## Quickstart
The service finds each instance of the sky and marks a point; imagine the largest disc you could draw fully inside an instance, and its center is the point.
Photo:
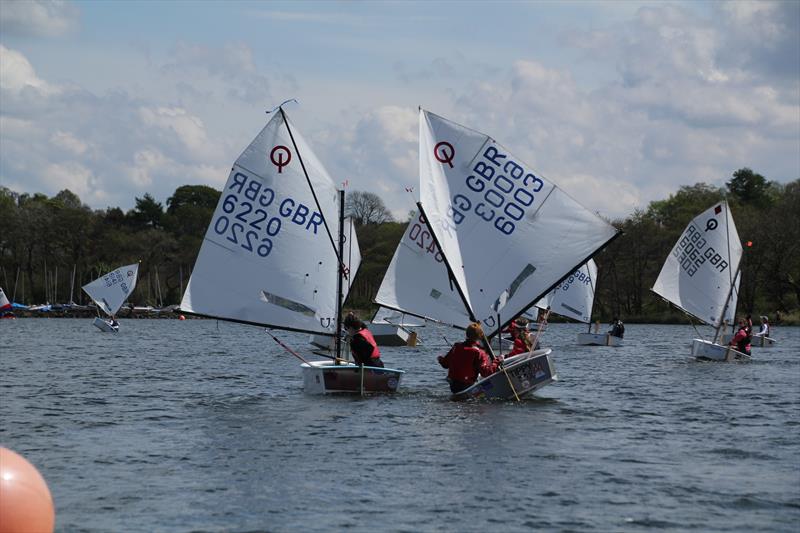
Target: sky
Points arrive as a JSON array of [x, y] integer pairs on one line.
[[619, 103]]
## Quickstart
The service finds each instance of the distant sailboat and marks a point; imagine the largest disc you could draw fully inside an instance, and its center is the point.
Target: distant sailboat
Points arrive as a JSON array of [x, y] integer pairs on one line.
[[491, 238], [271, 255], [6, 310], [701, 277], [110, 291]]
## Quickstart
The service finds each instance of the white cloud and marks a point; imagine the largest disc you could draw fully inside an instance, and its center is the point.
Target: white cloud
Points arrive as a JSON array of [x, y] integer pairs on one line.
[[41, 18], [68, 175], [68, 142], [17, 73], [105, 148]]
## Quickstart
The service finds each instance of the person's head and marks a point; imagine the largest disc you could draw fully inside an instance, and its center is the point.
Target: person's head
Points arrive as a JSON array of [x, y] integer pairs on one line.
[[742, 321], [764, 319], [615, 320], [352, 322], [474, 332]]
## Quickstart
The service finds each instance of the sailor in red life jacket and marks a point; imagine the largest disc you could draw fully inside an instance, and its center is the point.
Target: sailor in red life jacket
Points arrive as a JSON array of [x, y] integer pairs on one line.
[[466, 360], [521, 340], [741, 341], [362, 344]]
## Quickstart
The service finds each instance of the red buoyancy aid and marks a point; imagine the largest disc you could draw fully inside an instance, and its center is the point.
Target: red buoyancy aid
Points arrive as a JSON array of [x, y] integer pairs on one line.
[[742, 341], [519, 347], [465, 361], [367, 334]]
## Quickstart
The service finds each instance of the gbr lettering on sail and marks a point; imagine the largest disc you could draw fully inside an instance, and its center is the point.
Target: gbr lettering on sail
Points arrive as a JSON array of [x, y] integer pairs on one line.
[[500, 190]]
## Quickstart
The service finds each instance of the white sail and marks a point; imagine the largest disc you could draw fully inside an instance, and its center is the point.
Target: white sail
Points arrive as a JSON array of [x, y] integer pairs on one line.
[[416, 281], [574, 297], [110, 291], [509, 234], [267, 257], [698, 273], [5, 305]]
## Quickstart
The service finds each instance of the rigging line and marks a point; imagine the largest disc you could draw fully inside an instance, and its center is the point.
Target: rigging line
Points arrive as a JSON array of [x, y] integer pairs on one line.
[[282, 345], [313, 192]]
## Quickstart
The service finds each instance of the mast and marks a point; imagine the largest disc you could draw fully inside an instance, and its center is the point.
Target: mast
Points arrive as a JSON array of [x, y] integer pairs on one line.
[[727, 302], [339, 280], [733, 280], [591, 309], [339, 256], [72, 283], [453, 279]]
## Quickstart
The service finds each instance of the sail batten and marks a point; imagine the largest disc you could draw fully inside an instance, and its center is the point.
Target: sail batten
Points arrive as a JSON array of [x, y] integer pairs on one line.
[[698, 274]]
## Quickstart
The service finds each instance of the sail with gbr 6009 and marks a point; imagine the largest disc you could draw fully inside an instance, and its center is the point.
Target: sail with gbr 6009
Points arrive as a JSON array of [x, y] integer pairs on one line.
[[701, 277]]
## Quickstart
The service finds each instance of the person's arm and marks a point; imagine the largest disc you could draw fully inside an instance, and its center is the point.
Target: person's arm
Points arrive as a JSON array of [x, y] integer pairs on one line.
[[487, 367], [445, 361]]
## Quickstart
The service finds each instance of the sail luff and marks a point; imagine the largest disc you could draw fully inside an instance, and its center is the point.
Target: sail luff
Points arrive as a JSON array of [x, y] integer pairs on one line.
[[310, 186], [340, 273]]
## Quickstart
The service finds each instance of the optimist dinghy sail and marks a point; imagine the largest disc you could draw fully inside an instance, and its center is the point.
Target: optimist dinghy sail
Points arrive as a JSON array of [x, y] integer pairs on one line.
[[701, 276], [492, 237], [508, 235], [270, 256], [574, 297], [110, 291]]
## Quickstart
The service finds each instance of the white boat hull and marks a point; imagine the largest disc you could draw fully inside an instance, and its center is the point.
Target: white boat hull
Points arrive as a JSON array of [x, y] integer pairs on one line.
[[326, 377], [102, 325], [386, 334], [757, 341], [598, 339], [520, 375], [707, 350]]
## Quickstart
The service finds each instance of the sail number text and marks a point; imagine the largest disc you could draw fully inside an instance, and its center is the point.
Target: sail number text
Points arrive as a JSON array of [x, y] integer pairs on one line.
[[419, 235], [691, 252], [115, 278], [500, 191], [245, 221]]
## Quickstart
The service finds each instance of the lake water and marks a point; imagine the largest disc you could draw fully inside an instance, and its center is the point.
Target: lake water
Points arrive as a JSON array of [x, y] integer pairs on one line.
[[203, 426]]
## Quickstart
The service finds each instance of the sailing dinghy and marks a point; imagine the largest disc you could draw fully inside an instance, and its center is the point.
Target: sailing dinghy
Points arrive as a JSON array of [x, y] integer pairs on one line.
[[109, 292], [701, 277], [6, 309], [490, 239], [271, 255]]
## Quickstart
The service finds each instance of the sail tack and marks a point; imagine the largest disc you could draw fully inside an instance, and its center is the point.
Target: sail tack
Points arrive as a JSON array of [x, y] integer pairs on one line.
[[268, 257], [509, 234], [110, 291], [699, 271]]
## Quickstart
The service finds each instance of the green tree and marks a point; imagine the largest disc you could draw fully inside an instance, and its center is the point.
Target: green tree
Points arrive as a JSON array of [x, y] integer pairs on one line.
[[748, 187]]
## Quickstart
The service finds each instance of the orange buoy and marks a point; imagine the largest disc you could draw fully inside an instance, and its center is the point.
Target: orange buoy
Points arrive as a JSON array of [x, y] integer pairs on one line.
[[181, 317], [25, 501]]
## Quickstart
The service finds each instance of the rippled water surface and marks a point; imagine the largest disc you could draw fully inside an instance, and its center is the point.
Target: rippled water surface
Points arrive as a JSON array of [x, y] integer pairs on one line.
[[203, 426]]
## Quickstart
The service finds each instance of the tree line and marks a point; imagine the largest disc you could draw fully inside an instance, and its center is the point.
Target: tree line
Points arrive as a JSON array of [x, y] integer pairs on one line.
[[50, 246]]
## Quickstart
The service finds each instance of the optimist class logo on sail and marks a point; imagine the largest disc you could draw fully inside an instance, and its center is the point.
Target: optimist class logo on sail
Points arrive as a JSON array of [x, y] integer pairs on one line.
[[499, 190]]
